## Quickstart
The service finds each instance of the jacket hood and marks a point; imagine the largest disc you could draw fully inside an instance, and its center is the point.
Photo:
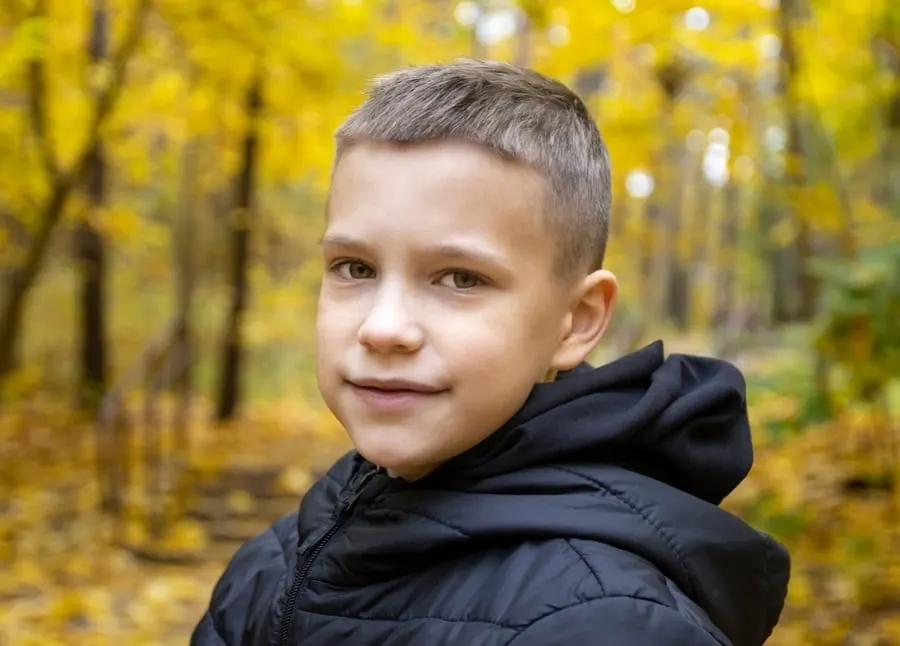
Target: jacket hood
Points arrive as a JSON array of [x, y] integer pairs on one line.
[[683, 418], [636, 454]]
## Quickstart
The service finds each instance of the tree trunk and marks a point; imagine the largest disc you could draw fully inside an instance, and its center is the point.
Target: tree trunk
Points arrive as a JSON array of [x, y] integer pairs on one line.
[[670, 274], [183, 243], [725, 298], [702, 220], [232, 347], [887, 190], [789, 265], [16, 241], [677, 294], [892, 152], [91, 249], [22, 280]]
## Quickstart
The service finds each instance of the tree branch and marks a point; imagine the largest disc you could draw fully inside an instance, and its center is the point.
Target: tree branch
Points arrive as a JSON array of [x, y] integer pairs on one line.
[[37, 99], [107, 97]]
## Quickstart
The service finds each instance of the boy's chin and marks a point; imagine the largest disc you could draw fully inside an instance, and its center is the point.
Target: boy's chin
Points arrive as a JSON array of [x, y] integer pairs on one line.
[[398, 464]]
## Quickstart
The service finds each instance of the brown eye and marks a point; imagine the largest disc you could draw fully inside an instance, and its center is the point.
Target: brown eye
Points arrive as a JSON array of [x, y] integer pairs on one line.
[[354, 270], [461, 280]]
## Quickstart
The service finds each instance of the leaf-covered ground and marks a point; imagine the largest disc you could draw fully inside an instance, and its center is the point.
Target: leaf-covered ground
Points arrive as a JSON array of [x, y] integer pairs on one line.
[[62, 578], [825, 492]]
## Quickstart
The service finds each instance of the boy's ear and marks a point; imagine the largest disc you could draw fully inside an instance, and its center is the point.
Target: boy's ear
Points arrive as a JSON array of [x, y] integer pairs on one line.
[[593, 302]]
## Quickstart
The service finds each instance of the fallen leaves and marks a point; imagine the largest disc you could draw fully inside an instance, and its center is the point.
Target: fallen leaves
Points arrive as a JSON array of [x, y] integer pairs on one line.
[[64, 578], [829, 492]]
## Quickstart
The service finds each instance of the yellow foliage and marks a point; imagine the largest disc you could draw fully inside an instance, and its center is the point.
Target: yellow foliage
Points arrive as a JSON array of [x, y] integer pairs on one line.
[[240, 501], [187, 84], [121, 224], [188, 536], [818, 205], [295, 479]]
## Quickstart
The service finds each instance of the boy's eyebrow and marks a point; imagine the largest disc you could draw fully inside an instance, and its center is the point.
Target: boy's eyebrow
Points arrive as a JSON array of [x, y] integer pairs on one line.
[[465, 252], [445, 249], [331, 240]]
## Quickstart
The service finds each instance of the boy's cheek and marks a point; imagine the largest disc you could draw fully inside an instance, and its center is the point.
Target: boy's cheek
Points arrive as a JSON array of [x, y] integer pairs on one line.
[[335, 316]]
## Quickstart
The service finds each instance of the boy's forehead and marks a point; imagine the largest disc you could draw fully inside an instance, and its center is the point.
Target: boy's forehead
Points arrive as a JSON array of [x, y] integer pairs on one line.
[[451, 201], [413, 180]]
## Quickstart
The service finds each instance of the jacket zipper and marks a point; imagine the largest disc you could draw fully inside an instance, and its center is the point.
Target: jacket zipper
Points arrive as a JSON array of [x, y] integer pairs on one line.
[[302, 570]]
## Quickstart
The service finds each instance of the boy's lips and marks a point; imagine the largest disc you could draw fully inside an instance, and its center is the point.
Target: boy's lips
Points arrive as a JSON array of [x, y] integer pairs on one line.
[[392, 394], [396, 385]]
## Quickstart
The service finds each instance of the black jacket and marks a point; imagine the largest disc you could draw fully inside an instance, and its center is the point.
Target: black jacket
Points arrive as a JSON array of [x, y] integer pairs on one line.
[[590, 519]]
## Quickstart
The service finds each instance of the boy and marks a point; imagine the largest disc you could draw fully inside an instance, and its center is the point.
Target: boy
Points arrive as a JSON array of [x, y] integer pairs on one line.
[[502, 491]]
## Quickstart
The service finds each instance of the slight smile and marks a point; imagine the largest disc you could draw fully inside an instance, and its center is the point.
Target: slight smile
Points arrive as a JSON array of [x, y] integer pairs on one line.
[[386, 395]]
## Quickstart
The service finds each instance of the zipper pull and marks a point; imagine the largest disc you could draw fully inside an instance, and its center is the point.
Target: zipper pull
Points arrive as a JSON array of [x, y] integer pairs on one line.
[[356, 488], [351, 494]]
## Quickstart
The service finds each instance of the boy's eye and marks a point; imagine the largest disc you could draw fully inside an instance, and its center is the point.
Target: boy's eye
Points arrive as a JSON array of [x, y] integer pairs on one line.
[[353, 270], [461, 280]]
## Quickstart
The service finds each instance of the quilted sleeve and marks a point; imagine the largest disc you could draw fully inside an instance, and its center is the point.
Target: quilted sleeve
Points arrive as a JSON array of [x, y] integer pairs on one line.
[[240, 609]]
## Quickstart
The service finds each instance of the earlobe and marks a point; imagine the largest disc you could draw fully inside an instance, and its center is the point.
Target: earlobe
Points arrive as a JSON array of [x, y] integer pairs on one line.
[[593, 303]]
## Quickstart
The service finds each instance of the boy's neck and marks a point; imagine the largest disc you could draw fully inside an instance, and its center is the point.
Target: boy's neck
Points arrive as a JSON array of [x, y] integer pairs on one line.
[[396, 476]]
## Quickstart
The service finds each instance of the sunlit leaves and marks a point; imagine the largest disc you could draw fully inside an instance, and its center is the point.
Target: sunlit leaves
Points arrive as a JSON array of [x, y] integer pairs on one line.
[[186, 88], [64, 582]]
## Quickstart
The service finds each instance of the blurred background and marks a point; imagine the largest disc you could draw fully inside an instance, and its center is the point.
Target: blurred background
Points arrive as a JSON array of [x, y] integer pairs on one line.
[[163, 165]]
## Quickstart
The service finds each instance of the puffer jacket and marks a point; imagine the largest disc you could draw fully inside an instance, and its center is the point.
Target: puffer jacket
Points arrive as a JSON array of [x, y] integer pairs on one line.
[[590, 518]]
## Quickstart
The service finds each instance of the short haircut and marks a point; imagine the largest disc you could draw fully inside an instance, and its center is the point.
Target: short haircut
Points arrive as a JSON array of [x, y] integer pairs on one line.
[[517, 113]]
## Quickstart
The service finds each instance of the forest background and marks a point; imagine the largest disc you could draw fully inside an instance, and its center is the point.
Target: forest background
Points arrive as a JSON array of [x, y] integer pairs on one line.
[[162, 171]]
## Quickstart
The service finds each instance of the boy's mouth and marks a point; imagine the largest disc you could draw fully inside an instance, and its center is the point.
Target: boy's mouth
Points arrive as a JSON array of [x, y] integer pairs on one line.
[[396, 385], [392, 394]]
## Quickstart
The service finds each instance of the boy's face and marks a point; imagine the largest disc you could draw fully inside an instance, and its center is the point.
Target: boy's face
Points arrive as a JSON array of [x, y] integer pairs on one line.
[[439, 307]]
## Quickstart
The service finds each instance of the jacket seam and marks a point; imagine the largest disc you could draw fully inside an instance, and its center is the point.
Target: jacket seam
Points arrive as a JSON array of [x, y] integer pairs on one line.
[[653, 525], [282, 544], [411, 618], [426, 516], [587, 565], [632, 597]]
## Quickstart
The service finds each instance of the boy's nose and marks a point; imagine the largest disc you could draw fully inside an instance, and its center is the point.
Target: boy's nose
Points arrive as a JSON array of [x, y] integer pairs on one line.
[[390, 326]]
